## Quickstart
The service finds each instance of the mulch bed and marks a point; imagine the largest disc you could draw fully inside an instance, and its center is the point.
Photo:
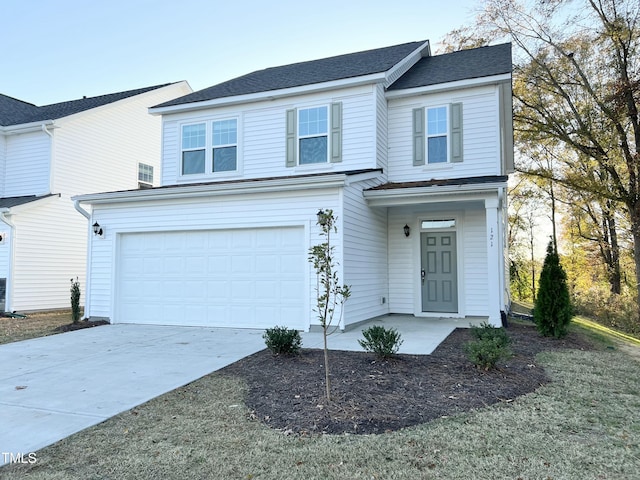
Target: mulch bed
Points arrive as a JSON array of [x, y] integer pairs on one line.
[[70, 327], [370, 395]]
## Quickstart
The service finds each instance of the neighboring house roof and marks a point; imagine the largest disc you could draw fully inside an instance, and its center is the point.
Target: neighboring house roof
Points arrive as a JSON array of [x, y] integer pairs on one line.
[[304, 73], [8, 202], [462, 65], [442, 182], [16, 112]]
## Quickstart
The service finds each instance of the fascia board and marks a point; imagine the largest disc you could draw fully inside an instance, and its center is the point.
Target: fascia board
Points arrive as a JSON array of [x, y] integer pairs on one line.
[[212, 190], [442, 87], [271, 94], [434, 194], [406, 63]]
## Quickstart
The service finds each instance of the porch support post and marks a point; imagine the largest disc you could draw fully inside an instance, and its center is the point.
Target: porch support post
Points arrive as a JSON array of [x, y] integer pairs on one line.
[[494, 246]]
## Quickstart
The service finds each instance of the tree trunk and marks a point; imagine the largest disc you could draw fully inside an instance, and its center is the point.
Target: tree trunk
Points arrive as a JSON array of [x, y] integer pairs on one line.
[[327, 379], [634, 214], [615, 276]]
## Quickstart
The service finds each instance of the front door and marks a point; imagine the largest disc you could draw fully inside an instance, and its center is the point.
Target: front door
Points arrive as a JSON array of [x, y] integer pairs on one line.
[[439, 277]]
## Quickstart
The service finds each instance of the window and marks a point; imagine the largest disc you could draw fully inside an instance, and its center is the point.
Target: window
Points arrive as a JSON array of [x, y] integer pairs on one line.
[[225, 140], [145, 175], [433, 224], [193, 148], [312, 135], [210, 147], [437, 134]]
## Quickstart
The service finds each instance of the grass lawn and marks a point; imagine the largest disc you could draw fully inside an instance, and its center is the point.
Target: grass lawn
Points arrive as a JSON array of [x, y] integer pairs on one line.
[[35, 325], [585, 424]]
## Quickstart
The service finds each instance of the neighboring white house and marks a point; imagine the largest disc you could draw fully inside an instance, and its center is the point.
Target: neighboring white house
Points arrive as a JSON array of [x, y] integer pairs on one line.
[[411, 152], [48, 154]]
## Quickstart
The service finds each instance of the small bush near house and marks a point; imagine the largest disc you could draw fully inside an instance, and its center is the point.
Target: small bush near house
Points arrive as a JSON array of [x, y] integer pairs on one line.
[[490, 345], [75, 300], [282, 340], [381, 341]]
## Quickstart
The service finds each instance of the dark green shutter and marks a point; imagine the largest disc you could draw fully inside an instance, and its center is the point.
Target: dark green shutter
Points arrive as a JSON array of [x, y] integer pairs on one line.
[[456, 132], [336, 132], [418, 136], [292, 150]]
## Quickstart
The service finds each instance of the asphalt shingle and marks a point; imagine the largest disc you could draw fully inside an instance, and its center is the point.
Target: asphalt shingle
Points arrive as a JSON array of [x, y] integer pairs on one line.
[[462, 65], [304, 73], [16, 112]]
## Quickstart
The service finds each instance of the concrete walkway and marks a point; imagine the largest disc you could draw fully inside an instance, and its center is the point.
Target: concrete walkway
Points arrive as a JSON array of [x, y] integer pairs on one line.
[[52, 387]]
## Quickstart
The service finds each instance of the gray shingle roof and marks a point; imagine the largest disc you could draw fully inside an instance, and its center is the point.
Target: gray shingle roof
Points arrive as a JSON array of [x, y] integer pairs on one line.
[[304, 73], [8, 202], [462, 65], [16, 112]]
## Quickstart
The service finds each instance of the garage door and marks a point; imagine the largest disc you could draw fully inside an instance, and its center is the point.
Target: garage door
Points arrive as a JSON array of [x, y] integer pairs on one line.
[[253, 278]]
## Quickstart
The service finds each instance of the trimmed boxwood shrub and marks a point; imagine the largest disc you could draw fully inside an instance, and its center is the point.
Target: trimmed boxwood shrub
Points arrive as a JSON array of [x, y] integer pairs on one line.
[[282, 340], [381, 341], [489, 346]]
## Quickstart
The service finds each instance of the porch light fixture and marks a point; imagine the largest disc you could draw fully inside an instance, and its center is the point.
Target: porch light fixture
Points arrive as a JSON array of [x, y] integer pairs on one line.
[[407, 230], [97, 229]]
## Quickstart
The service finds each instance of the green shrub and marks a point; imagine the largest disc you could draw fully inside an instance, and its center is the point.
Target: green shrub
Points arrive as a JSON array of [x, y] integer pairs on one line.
[[553, 310], [381, 341], [75, 300], [282, 340], [490, 345]]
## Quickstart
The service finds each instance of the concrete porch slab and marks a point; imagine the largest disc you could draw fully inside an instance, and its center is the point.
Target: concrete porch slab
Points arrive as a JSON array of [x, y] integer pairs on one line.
[[420, 336]]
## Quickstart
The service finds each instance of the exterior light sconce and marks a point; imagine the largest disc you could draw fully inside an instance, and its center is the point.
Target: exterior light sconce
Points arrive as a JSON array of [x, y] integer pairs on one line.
[[97, 230], [407, 230]]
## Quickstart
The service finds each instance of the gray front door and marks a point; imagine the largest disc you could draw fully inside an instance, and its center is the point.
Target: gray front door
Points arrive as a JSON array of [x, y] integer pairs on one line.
[[439, 272]]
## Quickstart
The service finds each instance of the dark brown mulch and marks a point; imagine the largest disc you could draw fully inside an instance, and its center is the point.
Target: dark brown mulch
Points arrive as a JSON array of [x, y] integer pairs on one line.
[[70, 327], [374, 396]]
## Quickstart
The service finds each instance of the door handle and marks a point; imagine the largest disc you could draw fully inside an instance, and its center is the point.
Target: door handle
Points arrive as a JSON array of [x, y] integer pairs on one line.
[[422, 275]]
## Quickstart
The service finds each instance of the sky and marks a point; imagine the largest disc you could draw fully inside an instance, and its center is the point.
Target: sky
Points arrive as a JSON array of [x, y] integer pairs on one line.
[[62, 50]]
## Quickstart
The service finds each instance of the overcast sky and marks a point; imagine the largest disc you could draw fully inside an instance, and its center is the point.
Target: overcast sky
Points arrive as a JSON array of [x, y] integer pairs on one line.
[[57, 50]]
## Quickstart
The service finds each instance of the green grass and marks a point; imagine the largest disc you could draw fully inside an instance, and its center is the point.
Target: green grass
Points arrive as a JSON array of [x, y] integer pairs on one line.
[[583, 425]]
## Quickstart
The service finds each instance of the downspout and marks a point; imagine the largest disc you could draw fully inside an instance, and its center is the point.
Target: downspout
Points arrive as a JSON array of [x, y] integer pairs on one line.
[[87, 289], [505, 302], [9, 285]]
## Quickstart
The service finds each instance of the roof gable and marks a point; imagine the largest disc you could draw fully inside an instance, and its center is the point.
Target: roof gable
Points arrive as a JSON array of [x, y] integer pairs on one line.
[[461, 65], [16, 112], [305, 73]]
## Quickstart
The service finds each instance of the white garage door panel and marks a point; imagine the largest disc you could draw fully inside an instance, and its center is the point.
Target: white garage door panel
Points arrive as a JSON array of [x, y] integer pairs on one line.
[[238, 278]]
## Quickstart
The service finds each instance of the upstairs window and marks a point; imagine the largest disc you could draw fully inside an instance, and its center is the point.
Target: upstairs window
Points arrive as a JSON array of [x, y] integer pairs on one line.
[[312, 135], [145, 175], [437, 134], [225, 145], [210, 147], [193, 148]]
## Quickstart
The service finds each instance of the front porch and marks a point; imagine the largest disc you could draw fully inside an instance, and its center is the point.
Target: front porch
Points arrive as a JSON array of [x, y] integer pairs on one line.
[[420, 336]]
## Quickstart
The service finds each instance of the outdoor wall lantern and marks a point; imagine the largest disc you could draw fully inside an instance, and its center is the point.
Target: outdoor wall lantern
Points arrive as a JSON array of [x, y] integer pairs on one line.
[[407, 230], [97, 229]]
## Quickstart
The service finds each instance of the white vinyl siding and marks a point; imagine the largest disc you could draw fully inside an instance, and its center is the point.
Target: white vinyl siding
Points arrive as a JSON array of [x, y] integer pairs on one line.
[[27, 165], [365, 255], [3, 159], [228, 212], [43, 269], [481, 136], [262, 135]]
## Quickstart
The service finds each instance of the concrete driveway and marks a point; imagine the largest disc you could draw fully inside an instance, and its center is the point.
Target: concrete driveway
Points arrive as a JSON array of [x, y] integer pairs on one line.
[[52, 387]]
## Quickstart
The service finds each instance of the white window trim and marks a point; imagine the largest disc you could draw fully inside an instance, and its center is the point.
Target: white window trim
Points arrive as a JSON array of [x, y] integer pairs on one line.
[[208, 149], [427, 136], [326, 135]]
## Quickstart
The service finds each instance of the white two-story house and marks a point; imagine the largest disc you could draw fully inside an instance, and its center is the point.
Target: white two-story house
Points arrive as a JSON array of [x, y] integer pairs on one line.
[[410, 151], [49, 153]]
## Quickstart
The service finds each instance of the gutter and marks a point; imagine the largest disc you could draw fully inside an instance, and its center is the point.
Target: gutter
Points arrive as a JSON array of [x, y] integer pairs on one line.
[[411, 195], [28, 127], [82, 211], [213, 190], [441, 87]]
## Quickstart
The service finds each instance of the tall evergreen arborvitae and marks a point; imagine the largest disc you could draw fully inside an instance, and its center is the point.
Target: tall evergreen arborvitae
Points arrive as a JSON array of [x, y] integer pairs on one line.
[[553, 310]]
